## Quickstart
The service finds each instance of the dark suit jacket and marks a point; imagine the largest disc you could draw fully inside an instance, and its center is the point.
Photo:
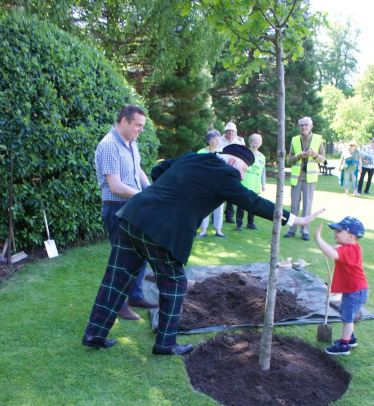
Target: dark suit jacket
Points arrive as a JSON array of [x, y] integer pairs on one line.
[[184, 192]]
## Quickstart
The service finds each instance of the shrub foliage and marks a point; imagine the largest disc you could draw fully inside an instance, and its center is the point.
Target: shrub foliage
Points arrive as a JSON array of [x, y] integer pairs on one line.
[[58, 98]]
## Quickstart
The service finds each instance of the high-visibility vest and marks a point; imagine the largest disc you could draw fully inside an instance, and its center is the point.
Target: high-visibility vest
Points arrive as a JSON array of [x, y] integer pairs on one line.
[[312, 166]]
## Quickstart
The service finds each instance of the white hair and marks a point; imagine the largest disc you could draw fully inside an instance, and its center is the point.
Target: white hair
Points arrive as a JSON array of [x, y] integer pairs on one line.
[[310, 121]]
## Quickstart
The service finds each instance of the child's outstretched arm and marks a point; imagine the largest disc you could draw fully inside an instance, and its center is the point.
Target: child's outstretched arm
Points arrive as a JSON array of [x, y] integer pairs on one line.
[[326, 248]]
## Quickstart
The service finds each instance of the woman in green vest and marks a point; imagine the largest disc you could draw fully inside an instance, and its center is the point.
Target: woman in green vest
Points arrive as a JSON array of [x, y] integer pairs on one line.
[[255, 179]]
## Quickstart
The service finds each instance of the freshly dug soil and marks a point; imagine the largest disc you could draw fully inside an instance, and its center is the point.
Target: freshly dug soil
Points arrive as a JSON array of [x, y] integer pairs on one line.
[[232, 299], [226, 369]]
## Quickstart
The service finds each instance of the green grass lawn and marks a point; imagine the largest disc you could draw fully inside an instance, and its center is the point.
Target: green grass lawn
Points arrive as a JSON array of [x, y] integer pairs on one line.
[[44, 309]]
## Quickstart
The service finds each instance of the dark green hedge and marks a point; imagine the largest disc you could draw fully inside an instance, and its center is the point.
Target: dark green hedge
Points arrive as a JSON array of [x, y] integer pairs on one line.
[[58, 98]]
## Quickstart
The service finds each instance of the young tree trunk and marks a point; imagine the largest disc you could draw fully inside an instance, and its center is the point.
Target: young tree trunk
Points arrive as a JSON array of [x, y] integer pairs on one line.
[[267, 334]]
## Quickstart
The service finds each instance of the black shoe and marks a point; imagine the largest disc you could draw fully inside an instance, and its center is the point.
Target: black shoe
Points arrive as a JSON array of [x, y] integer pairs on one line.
[[252, 226], [142, 304], [175, 350], [289, 235], [230, 220], [239, 228], [305, 237], [97, 342], [367, 193]]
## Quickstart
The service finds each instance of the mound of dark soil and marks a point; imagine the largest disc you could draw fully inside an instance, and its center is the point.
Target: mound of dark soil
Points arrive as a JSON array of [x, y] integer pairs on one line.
[[234, 298], [226, 369]]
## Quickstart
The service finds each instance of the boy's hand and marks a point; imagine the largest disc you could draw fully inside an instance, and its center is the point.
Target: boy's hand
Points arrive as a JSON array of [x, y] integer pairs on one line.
[[318, 231]]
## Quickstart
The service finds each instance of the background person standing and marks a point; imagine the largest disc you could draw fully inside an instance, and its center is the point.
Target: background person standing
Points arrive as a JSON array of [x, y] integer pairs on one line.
[[212, 139], [230, 138], [120, 177], [305, 153], [367, 156], [350, 165], [254, 180]]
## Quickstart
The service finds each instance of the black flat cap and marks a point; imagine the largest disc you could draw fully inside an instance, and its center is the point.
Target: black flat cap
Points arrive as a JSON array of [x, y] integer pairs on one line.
[[240, 151]]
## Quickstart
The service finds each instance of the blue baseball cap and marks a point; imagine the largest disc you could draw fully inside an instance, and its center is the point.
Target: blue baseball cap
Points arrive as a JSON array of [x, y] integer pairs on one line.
[[350, 224]]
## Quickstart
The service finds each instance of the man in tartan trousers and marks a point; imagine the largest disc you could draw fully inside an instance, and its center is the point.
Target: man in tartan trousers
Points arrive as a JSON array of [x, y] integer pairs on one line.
[[159, 225]]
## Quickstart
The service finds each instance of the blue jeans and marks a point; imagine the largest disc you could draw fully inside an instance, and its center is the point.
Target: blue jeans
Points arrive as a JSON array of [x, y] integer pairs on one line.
[[352, 303], [111, 223]]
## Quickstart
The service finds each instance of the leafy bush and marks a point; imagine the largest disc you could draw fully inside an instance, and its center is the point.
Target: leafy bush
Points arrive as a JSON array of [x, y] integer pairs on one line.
[[58, 98]]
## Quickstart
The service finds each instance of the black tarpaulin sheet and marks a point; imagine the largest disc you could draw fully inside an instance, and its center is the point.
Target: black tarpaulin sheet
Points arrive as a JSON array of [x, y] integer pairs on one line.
[[309, 288]]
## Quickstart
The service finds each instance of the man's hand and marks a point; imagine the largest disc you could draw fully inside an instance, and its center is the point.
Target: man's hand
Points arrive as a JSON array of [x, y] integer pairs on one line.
[[301, 155], [312, 153], [304, 221]]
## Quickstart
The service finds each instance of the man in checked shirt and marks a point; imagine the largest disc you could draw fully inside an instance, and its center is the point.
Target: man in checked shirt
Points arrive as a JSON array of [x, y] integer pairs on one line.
[[120, 177]]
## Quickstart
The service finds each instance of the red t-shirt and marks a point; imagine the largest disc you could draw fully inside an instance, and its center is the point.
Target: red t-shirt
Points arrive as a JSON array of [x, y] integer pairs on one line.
[[349, 276]]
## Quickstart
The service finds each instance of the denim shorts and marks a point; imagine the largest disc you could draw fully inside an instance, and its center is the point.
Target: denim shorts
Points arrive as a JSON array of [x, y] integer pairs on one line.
[[352, 303]]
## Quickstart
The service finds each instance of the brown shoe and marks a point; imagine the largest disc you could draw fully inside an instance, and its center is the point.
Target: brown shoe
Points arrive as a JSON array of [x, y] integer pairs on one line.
[[142, 304], [127, 314]]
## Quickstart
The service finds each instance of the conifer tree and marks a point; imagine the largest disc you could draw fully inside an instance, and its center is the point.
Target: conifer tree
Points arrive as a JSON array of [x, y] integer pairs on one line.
[[180, 109]]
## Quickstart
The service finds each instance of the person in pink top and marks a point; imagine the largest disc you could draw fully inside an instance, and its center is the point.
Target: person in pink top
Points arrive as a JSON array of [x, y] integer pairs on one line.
[[349, 277]]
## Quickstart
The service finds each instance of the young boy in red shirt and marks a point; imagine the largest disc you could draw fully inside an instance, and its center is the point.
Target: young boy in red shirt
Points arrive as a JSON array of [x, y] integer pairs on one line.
[[349, 277]]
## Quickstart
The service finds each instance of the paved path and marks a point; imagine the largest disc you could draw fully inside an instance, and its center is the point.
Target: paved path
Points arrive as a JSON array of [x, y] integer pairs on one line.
[[337, 205]]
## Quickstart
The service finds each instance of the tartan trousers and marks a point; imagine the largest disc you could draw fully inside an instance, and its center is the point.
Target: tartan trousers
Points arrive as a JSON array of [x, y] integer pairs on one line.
[[131, 249]]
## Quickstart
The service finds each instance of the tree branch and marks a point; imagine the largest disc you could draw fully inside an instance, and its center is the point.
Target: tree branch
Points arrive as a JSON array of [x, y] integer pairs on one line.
[[265, 16], [289, 15], [251, 39], [274, 13]]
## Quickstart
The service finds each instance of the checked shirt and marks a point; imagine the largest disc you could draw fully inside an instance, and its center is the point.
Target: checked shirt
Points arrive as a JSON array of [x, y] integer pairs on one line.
[[114, 157]]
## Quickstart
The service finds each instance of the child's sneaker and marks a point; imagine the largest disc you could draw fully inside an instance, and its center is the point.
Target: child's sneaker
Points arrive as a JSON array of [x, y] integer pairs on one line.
[[338, 349], [352, 342]]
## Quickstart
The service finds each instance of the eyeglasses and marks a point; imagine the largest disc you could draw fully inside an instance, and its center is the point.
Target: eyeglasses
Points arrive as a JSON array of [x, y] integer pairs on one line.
[[304, 125]]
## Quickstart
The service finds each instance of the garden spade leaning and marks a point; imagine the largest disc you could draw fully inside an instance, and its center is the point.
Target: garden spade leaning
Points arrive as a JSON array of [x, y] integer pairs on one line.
[[324, 331], [50, 245]]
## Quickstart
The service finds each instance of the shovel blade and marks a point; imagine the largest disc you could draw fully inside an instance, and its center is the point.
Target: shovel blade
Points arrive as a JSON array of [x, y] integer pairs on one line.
[[18, 257], [51, 248], [324, 333]]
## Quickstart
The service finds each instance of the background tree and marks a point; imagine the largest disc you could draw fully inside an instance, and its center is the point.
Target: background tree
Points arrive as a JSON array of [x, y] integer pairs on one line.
[[180, 108], [149, 41], [337, 61], [353, 120], [365, 85], [352, 117], [332, 97]]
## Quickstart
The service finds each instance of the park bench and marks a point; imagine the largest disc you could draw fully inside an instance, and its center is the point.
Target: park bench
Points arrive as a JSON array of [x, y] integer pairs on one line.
[[325, 168]]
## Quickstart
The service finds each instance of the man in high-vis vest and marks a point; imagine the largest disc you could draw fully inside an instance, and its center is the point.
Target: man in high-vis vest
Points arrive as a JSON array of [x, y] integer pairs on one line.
[[305, 153]]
